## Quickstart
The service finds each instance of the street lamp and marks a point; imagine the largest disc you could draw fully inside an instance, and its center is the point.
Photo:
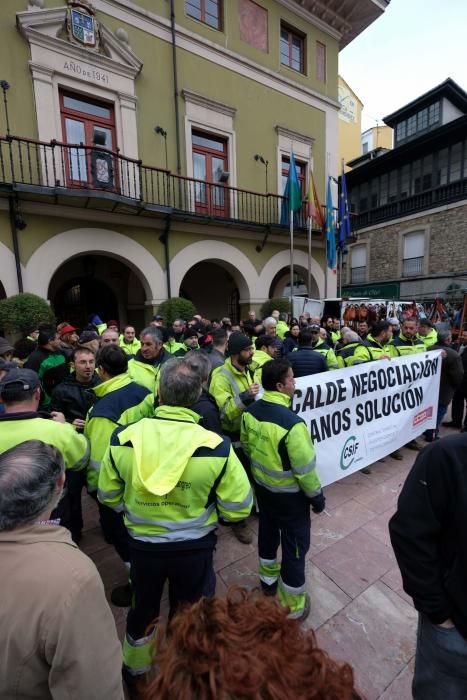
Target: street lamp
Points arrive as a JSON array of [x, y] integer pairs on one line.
[[265, 162], [163, 133], [6, 86]]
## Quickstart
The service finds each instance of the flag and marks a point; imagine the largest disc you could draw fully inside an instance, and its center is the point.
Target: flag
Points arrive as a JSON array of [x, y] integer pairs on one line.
[[344, 216], [330, 230], [315, 210], [292, 193]]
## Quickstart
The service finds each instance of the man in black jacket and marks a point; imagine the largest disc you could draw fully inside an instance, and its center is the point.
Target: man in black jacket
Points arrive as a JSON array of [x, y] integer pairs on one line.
[[206, 405], [305, 360], [72, 398], [429, 537]]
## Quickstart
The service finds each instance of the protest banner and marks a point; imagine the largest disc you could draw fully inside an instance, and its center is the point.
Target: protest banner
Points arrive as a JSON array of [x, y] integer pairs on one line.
[[360, 414]]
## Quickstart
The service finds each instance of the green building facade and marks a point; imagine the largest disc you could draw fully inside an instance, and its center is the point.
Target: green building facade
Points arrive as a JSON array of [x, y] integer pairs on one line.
[[147, 148]]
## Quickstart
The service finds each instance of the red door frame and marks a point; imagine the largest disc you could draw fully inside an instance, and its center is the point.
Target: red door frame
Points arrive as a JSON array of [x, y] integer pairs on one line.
[[210, 207], [89, 121]]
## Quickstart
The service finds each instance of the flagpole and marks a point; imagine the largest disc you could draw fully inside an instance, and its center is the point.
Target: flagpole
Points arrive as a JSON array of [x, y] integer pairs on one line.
[[291, 261], [340, 270], [310, 225]]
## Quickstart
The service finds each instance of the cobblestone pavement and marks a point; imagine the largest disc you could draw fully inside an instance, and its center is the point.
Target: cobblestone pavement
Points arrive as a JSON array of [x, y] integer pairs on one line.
[[358, 608]]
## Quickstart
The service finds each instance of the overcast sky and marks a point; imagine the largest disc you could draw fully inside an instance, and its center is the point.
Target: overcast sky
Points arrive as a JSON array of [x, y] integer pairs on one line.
[[413, 46]]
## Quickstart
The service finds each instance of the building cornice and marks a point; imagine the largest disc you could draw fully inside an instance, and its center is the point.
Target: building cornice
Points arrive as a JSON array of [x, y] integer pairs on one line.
[[313, 19], [155, 25], [294, 135], [208, 103]]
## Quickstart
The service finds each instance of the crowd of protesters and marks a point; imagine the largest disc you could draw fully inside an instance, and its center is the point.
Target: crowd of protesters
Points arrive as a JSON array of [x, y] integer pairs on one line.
[[77, 411]]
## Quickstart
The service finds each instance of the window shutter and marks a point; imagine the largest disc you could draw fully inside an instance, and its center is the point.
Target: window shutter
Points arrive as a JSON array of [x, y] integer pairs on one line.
[[414, 245], [359, 256]]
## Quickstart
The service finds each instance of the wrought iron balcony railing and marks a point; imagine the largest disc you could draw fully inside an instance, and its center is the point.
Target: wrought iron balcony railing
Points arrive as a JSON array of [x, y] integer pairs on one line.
[[74, 169]]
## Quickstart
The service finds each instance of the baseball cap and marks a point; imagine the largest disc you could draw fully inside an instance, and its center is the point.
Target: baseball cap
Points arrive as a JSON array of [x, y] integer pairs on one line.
[[20, 378], [315, 328], [87, 336], [112, 322], [157, 318], [394, 321], [67, 329]]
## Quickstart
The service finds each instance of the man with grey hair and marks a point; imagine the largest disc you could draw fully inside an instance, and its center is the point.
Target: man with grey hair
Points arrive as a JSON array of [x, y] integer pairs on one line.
[[270, 328], [171, 478], [59, 636], [145, 366], [353, 352]]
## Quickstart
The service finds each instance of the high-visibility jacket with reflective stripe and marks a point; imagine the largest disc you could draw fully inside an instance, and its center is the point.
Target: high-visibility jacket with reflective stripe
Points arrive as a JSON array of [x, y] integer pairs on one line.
[[327, 352], [227, 383], [430, 339], [172, 346], [335, 336], [130, 348], [19, 427], [120, 401], [171, 478], [353, 354], [402, 346], [145, 373], [375, 348], [260, 358], [281, 454]]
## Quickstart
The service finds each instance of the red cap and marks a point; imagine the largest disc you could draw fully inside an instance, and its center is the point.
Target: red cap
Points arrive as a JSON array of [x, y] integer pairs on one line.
[[66, 329], [112, 323]]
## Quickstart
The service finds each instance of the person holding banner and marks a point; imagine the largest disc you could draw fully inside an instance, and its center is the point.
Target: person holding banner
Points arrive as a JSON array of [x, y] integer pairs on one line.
[[283, 464], [354, 351]]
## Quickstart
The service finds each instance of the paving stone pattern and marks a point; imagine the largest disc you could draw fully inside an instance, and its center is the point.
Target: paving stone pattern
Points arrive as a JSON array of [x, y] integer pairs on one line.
[[358, 607]]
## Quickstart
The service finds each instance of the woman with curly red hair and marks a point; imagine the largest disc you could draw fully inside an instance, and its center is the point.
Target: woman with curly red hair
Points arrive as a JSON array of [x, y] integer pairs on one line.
[[243, 647]]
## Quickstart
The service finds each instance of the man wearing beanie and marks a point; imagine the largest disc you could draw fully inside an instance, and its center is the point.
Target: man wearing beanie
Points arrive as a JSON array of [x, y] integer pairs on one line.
[[48, 361], [190, 342], [234, 389]]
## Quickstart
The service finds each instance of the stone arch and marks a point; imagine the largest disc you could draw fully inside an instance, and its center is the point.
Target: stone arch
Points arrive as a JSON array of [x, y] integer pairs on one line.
[[223, 254], [281, 261], [8, 271], [57, 250]]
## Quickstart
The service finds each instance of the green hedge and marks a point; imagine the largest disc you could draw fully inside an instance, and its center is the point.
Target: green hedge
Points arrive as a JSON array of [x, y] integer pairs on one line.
[[22, 312], [176, 308], [282, 304]]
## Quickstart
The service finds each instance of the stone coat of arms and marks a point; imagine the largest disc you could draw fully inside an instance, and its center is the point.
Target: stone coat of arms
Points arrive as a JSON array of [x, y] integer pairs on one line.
[[82, 26]]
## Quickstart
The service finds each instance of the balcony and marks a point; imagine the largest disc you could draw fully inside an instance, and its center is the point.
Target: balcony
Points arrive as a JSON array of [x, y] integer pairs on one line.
[[412, 267], [91, 176], [435, 197]]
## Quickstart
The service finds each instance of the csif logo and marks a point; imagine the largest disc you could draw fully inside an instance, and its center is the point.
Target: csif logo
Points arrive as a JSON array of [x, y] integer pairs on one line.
[[349, 452]]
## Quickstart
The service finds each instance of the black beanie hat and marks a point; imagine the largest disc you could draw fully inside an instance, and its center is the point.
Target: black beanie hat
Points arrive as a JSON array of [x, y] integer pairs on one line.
[[238, 342]]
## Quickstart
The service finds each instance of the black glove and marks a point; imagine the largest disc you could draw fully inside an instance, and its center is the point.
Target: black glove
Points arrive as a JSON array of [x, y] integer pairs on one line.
[[246, 398], [318, 503]]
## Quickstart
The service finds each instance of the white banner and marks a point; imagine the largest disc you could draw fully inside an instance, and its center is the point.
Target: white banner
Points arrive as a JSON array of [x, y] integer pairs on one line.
[[360, 414]]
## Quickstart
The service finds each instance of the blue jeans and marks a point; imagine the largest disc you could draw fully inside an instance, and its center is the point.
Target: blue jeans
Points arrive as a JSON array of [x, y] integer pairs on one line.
[[440, 663]]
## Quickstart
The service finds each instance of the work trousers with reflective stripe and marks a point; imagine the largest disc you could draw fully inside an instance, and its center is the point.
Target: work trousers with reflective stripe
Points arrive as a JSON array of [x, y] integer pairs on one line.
[[114, 529], [289, 575], [190, 575]]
